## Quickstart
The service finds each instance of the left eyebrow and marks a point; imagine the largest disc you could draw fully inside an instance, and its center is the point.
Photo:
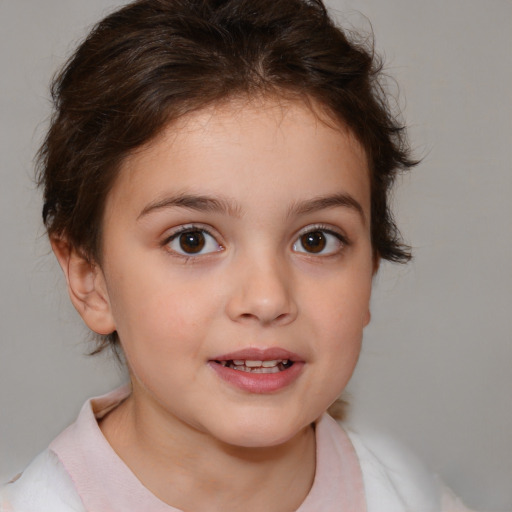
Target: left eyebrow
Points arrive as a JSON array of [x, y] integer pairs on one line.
[[325, 202], [192, 202]]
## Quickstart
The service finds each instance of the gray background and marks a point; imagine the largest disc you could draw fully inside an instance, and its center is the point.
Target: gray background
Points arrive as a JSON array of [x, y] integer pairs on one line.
[[436, 365]]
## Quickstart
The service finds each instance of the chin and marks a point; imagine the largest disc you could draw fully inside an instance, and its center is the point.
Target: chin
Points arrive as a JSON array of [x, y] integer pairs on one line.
[[259, 430]]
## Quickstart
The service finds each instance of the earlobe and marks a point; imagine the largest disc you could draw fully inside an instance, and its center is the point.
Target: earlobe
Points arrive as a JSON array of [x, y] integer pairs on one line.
[[86, 287], [376, 264]]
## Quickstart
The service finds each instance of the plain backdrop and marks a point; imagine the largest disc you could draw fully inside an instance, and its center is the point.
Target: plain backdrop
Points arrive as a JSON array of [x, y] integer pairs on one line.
[[436, 367]]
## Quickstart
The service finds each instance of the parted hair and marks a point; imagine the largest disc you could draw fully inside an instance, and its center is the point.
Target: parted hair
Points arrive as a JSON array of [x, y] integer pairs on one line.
[[153, 61]]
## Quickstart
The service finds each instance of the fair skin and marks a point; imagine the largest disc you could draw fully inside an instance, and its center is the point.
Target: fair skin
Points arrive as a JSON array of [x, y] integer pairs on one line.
[[276, 255]]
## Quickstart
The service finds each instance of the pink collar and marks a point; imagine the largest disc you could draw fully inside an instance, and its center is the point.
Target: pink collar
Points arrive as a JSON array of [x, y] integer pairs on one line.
[[106, 484]]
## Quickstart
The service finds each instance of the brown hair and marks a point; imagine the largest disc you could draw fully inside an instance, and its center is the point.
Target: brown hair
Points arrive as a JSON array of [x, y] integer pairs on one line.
[[153, 61]]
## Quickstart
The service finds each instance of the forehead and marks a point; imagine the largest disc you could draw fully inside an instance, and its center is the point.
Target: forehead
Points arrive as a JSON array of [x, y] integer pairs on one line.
[[230, 115], [239, 140]]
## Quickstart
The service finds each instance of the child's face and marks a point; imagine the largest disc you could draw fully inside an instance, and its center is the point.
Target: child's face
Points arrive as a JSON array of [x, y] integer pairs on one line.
[[242, 233]]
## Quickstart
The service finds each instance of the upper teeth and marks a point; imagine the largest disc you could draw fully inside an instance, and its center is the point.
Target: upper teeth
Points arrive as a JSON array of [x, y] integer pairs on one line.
[[254, 366], [258, 364]]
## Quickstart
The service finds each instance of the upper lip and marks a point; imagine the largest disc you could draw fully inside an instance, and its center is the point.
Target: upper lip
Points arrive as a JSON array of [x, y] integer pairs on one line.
[[259, 354]]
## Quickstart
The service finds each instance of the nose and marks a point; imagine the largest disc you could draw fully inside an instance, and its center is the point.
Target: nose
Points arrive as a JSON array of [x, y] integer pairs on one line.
[[262, 292]]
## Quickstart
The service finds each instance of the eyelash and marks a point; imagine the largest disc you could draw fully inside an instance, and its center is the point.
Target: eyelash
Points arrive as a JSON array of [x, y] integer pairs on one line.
[[318, 228], [326, 230], [190, 228]]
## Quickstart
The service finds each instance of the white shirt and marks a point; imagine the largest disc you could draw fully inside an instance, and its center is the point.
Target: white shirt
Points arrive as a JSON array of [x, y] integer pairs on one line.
[[80, 472]]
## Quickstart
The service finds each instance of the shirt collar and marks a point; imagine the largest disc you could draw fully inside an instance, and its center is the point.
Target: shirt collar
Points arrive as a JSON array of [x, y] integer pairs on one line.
[[105, 483]]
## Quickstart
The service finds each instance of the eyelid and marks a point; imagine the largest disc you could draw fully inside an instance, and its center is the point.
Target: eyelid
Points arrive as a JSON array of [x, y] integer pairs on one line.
[[327, 228], [187, 228], [324, 228], [184, 228]]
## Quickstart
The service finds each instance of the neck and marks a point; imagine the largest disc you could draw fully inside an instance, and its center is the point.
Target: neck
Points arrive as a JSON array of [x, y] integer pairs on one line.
[[207, 474]]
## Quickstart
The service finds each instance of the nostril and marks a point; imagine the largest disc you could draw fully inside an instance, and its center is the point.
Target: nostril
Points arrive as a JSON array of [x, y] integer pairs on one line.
[[265, 318], [259, 299]]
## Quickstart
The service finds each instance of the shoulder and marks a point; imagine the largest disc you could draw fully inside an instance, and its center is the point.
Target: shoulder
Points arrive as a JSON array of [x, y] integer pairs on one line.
[[395, 480], [43, 486], [47, 484]]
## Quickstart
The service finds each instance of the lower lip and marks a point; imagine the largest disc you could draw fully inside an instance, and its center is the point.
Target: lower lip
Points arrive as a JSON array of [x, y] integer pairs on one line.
[[258, 382]]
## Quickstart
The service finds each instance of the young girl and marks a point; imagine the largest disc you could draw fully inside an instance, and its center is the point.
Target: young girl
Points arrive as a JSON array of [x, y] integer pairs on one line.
[[216, 180]]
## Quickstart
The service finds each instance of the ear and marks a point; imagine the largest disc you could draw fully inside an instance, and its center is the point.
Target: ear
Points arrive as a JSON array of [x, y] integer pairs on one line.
[[376, 264], [367, 317], [86, 287], [375, 269]]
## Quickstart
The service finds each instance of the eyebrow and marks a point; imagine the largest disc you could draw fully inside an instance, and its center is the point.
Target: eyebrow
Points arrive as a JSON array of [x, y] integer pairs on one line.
[[325, 202], [221, 205], [193, 202]]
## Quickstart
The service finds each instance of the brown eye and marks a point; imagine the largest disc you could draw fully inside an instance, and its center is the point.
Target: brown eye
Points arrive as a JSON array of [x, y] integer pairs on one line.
[[314, 241], [321, 242], [192, 242]]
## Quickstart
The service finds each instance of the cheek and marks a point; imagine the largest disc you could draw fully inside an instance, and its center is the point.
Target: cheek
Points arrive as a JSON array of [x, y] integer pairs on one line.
[[158, 312], [340, 311], [162, 334], [341, 302], [340, 345]]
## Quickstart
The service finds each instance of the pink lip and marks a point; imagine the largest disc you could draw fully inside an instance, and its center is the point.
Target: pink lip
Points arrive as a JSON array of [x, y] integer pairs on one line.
[[258, 382], [259, 354]]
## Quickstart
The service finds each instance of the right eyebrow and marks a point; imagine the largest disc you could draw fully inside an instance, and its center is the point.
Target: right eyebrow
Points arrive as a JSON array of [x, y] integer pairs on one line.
[[332, 201], [199, 203]]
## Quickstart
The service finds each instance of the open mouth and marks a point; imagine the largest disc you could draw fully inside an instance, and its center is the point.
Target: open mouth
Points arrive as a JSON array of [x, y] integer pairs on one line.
[[260, 371], [249, 366]]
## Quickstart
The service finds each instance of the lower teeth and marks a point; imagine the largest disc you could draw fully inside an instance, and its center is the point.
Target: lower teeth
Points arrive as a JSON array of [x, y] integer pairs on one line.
[[259, 369], [272, 369]]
